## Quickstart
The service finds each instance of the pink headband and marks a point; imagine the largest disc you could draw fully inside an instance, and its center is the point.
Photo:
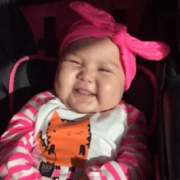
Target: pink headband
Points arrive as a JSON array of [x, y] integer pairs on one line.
[[99, 24]]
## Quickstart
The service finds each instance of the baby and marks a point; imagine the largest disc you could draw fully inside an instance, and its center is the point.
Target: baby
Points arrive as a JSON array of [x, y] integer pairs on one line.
[[82, 130]]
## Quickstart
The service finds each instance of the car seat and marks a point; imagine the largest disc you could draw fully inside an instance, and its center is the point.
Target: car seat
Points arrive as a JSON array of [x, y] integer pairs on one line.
[[160, 23], [32, 74]]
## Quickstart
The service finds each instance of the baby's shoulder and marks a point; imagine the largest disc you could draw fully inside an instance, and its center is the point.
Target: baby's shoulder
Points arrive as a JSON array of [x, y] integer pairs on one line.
[[127, 108], [43, 97]]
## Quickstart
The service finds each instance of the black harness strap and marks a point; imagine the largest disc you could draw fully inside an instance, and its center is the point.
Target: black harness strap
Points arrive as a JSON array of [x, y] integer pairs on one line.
[[49, 43]]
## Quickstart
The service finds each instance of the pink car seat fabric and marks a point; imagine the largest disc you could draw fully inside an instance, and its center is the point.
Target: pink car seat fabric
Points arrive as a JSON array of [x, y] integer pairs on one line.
[[52, 21]]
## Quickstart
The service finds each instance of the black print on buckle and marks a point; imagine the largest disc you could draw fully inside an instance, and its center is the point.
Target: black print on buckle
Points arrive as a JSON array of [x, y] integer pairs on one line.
[[46, 169]]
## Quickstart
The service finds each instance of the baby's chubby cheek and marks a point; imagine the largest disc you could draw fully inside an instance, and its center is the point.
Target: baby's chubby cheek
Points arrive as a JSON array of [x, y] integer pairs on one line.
[[112, 94]]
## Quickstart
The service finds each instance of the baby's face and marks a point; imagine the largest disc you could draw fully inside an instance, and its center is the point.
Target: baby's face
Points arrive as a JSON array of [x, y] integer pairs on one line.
[[90, 77]]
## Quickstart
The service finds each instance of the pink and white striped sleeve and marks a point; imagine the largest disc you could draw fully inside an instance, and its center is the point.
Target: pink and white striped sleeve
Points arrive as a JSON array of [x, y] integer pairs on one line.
[[133, 161], [17, 142]]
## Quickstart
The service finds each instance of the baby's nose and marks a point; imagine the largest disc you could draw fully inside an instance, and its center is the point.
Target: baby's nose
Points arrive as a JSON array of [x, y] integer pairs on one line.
[[86, 75]]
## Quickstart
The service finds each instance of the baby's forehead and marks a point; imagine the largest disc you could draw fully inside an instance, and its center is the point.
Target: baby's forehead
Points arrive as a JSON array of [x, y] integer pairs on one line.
[[81, 44], [102, 47], [89, 43]]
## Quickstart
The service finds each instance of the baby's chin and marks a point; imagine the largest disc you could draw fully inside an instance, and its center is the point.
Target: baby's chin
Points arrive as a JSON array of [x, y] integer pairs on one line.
[[81, 110], [90, 110]]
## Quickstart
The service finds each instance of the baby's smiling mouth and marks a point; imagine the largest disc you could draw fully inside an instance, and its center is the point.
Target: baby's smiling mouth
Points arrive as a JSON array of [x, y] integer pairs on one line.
[[84, 92]]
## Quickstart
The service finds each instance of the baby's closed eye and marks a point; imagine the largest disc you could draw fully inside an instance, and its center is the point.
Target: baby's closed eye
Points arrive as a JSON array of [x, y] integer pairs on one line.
[[74, 62], [104, 70]]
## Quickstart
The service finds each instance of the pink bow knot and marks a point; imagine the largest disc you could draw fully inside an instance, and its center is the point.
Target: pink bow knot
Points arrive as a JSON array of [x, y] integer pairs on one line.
[[119, 36]]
